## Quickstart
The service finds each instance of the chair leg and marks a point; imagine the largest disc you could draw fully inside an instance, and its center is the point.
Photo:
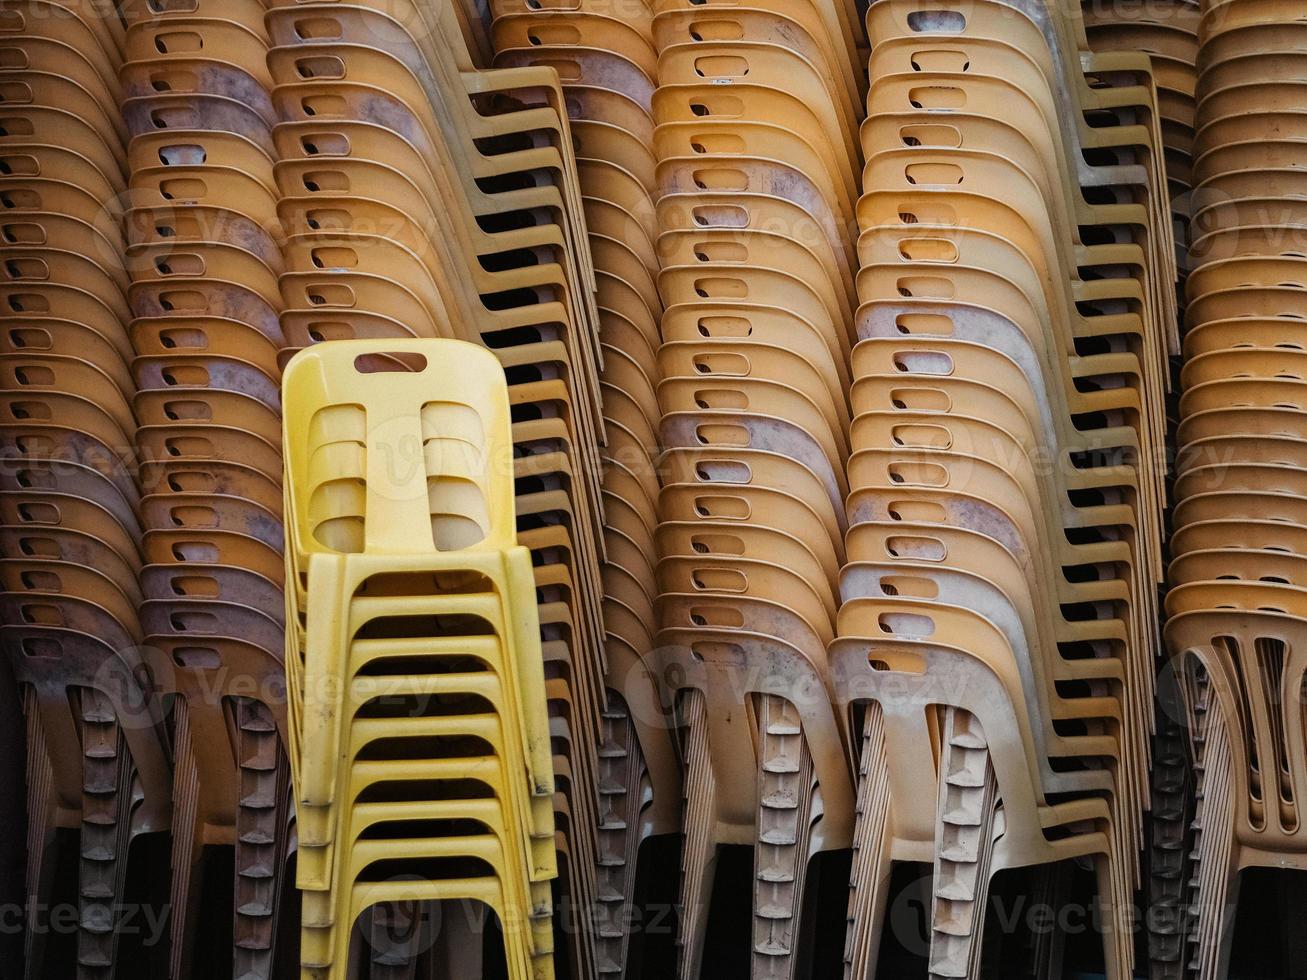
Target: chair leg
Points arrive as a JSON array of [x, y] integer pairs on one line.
[[1215, 882], [621, 770], [41, 805], [107, 779], [784, 832], [318, 940], [698, 859], [187, 845], [1169, 852], [870, 876], [261, 831], [964, 837]]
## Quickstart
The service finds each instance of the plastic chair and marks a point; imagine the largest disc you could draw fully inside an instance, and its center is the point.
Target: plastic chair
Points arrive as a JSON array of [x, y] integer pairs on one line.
[[355, 510]]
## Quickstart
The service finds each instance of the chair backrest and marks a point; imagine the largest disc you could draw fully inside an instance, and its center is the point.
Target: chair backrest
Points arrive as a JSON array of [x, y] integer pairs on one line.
[[397, 447]]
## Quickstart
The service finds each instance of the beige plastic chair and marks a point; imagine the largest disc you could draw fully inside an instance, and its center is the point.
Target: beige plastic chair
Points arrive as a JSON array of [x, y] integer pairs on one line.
[[1235, 603], [100, 763], [204, 254], [925, 497], [755, 119], [71, 527]]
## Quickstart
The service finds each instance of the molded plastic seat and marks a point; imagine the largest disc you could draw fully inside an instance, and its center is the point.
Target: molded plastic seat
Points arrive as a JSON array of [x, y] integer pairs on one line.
[[357, 527]]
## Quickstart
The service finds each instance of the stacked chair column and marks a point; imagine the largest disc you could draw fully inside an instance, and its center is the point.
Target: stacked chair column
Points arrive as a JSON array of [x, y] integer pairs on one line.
[[756, 116], [1235, 630], [423, 767], [424, 197], [204, 254], [97, 756], [997, 636], [1168, 32], [603, 52]]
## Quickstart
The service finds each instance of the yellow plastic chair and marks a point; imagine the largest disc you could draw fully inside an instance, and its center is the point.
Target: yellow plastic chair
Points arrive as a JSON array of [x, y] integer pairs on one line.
[[402, 545], [369, 455]]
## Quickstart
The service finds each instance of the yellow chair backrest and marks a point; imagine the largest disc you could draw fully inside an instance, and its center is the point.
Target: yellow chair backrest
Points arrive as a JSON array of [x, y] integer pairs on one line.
[[397, 447]]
